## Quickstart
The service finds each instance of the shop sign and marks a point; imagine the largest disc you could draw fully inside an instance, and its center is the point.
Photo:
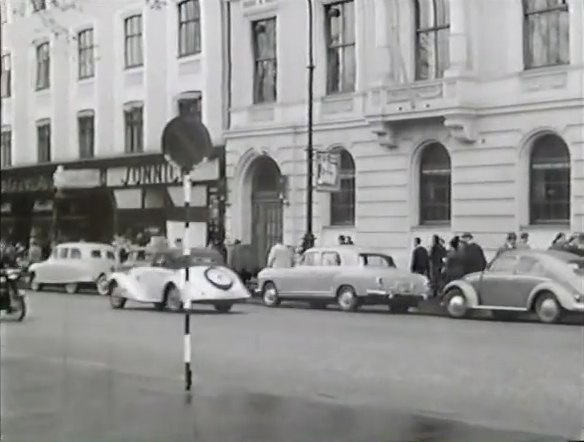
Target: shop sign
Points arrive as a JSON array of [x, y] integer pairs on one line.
[[77, 179], [38, 183], [328, 171], [132, 176]]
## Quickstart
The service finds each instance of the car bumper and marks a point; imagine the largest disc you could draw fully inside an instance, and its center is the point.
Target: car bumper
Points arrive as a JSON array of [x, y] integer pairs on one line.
[[387, 297]]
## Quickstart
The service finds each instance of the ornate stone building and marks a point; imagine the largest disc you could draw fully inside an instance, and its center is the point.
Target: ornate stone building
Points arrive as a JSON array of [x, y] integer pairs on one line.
[[448, 115]]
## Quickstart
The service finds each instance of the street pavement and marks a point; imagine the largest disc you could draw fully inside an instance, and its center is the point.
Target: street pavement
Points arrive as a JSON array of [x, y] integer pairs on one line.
[[75, 370]]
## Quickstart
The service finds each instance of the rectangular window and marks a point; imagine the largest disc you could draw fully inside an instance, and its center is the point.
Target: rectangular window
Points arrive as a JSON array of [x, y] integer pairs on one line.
[[44, 142], [85, 54], [39, 5], [190, 106], [133, 41], [432, 39], [340, 40], [6, 76], [43, 66], [6, 149], [546, 33], [265, 61], [189, 28], [86, 127], [134, 129]]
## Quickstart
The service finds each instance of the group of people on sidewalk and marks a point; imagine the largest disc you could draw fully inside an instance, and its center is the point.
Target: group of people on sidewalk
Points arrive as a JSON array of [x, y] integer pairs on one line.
[[464, 256]]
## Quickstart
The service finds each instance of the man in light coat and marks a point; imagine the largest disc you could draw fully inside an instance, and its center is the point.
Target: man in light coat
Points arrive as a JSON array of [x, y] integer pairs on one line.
[[280, 256]]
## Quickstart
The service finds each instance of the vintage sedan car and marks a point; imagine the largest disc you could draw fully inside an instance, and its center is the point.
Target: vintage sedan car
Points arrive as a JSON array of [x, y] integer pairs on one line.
[[546, 282], [162, 283], [75, 265], [346, 275]]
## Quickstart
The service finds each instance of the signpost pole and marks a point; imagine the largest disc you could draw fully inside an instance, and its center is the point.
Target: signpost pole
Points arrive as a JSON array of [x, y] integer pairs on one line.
[[187, 304]]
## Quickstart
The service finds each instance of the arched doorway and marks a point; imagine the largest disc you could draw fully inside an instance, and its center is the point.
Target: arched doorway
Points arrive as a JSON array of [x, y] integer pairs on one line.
[[267, 208]]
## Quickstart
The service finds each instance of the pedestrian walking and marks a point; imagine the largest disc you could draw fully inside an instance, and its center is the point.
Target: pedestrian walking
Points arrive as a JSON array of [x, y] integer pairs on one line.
[[281, 256], [473, 255], [420, 259], [342, 240], [510, 243], [35, 253], [454, 268], [523, 243], [437, 258]]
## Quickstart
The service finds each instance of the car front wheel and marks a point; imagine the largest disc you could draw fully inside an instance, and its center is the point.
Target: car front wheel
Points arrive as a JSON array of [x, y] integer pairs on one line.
[[347, 299], [102, 285], [456, 304], [547, 308], [117, 300], [270, 295], [174, 301]]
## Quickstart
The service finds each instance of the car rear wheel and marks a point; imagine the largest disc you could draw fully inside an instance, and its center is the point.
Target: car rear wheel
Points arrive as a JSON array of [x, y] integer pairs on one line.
[[547, 308], [71, 288], [102, 285], [117, 300], [223, 308], [173, 299], [456, 303], [270, 295], [347, 299]]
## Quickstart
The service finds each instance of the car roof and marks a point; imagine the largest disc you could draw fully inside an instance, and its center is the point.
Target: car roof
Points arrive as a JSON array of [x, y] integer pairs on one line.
[[545, 253], [86, 245]]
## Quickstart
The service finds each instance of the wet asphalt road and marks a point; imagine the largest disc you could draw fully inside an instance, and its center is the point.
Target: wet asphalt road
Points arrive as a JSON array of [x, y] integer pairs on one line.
[[78, 371]]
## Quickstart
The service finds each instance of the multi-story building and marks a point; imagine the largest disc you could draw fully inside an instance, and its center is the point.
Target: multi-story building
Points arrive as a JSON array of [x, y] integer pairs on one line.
[[431, 117], [90, 86]]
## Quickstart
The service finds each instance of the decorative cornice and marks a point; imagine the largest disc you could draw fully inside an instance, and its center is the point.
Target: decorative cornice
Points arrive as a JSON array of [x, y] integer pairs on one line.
[[462, 127], [385, 133]]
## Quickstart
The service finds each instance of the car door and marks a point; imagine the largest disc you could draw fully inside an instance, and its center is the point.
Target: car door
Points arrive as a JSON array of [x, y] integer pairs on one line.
[[495, 284], [300, 282], [153, 278], [529, 273], [54, 271], [325, 274]]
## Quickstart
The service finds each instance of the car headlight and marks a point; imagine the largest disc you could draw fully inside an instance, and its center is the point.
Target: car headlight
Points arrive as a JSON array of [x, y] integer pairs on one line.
[[578, 297]]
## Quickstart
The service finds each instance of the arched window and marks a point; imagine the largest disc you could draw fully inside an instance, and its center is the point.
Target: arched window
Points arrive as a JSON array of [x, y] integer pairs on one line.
[[432, 38], [546, 33], [343, 201], [435, 185], [549, 181]]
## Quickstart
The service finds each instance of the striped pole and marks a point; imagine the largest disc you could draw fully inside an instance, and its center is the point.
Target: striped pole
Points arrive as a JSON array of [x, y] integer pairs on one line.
[[187, 304]]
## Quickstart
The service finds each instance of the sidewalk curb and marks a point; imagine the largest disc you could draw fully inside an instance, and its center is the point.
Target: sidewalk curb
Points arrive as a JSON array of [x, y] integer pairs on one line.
[[430, 307]]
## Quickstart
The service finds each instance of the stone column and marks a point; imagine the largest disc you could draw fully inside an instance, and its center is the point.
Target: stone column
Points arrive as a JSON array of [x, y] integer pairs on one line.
[[459, 57], [381, 22]]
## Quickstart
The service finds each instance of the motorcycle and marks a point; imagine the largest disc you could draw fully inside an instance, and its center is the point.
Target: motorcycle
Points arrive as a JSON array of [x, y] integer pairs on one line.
[[12, 300]]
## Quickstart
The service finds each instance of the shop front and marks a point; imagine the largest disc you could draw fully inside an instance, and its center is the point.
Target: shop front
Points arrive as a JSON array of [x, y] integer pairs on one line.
[[27, 204]]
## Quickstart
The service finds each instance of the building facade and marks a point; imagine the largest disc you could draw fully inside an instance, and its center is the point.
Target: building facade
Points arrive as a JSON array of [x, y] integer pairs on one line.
[[87, 89], [440, 117]]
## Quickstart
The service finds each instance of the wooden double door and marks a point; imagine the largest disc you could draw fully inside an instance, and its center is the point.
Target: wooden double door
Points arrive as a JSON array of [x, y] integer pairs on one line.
[[267, 224]]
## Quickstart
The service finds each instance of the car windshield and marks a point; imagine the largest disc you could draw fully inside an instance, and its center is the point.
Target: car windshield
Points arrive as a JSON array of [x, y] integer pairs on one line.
[[376, 260]]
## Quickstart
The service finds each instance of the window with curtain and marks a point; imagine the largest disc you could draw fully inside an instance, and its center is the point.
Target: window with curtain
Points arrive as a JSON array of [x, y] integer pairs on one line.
[[340, 40], [44, 142], [6, 76], [546, 30], [432, 38], [134, 54], [189, 28], [343, 201], [85, 54], [6, 148], [435, 185], [43, 66], [134, 127], [549, 181], [265, 61], [191, 105], [86, 128]]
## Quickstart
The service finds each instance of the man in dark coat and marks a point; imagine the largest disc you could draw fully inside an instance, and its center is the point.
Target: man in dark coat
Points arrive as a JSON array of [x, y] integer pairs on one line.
[[474, 257], [420, 259]]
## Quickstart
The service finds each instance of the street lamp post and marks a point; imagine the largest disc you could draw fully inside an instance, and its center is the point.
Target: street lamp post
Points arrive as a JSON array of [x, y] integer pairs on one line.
[[308, 241]]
